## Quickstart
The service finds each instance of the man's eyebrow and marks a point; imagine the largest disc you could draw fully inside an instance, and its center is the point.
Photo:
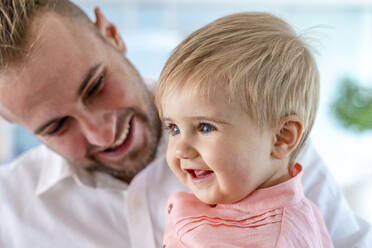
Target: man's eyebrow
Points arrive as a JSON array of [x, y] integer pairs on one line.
[[88, 77], [41, 129]]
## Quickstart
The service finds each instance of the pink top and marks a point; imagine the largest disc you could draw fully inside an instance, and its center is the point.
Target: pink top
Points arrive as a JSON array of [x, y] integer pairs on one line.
[[278, 216]]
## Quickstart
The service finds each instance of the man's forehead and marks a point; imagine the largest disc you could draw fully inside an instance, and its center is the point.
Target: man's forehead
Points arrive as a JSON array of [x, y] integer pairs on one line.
[[58, 61], [17, 96], [53, 32], [61, 49]]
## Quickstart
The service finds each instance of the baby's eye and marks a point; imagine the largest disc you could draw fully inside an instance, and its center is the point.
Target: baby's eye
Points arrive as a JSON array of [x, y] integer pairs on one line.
[[206, 128], [173, 129]]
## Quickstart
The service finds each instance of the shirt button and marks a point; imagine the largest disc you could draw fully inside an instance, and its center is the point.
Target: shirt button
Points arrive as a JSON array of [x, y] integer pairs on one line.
[[164, 246], [170, 207]]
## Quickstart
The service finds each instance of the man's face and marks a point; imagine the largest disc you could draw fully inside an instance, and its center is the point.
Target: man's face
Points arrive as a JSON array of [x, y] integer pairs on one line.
[[82, 98]]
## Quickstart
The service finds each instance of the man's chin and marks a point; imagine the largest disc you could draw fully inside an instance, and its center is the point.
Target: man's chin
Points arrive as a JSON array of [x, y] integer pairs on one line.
[[125, 175], [127, 169]]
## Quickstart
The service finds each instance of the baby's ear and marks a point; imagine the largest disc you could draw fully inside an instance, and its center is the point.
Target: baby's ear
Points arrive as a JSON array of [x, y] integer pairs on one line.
[[287, 135]]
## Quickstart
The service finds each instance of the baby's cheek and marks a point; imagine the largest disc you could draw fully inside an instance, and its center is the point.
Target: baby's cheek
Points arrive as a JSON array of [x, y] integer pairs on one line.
[[217, 151]]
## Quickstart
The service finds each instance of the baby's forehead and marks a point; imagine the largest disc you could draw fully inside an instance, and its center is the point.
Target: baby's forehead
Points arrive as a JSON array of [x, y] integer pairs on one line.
[[211, 91], [199, 87], [216, 102], [205, 96]]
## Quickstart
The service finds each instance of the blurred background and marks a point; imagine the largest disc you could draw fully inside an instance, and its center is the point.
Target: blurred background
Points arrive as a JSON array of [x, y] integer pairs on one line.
[[340, 33]]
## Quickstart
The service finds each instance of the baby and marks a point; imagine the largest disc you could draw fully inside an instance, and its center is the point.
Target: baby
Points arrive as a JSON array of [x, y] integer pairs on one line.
[[239, 97]]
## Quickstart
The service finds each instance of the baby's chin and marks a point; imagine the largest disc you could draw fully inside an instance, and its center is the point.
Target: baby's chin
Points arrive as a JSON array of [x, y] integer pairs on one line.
[[209, 199], [220, 198]]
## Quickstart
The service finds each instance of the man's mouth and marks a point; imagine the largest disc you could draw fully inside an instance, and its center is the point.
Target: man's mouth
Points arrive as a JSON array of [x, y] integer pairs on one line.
[[198, 175], [121, 145]]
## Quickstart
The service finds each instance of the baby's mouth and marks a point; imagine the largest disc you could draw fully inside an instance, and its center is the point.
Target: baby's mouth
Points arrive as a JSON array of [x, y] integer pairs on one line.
[[198, 174]]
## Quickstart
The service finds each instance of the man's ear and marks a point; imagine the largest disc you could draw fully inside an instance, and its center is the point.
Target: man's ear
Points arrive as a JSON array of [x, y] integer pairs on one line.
[[109, 31], [2, 117], [286, 137], [5, 114]]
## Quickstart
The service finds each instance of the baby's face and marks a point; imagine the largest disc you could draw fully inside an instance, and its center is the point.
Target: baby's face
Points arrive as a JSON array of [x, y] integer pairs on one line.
[[215, 148]]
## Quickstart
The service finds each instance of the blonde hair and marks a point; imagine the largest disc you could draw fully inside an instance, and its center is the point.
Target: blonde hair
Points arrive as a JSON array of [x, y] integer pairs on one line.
[[15, 20], [261, 62]]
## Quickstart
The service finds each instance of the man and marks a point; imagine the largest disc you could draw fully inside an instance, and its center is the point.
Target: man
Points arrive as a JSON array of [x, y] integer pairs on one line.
[[67, 81]]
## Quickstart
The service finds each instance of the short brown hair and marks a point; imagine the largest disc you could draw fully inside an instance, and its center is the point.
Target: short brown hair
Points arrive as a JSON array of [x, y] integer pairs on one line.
[[15, 20], [262, 62]]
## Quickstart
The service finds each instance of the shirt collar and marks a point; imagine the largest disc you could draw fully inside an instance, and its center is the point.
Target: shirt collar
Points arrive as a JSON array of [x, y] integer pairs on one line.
[[55, 169]]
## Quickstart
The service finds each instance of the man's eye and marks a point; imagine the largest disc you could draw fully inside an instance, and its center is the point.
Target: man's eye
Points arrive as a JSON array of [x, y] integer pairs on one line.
[[58, 126], [96, 87], [206, 128], [173, 129]]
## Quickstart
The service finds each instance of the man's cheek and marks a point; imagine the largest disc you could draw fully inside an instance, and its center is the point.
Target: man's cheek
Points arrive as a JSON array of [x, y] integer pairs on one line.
[[72, 149]]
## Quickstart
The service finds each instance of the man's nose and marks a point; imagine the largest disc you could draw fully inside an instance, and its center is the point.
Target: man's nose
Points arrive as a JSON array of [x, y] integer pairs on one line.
[[185, 150], [99, 128]]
